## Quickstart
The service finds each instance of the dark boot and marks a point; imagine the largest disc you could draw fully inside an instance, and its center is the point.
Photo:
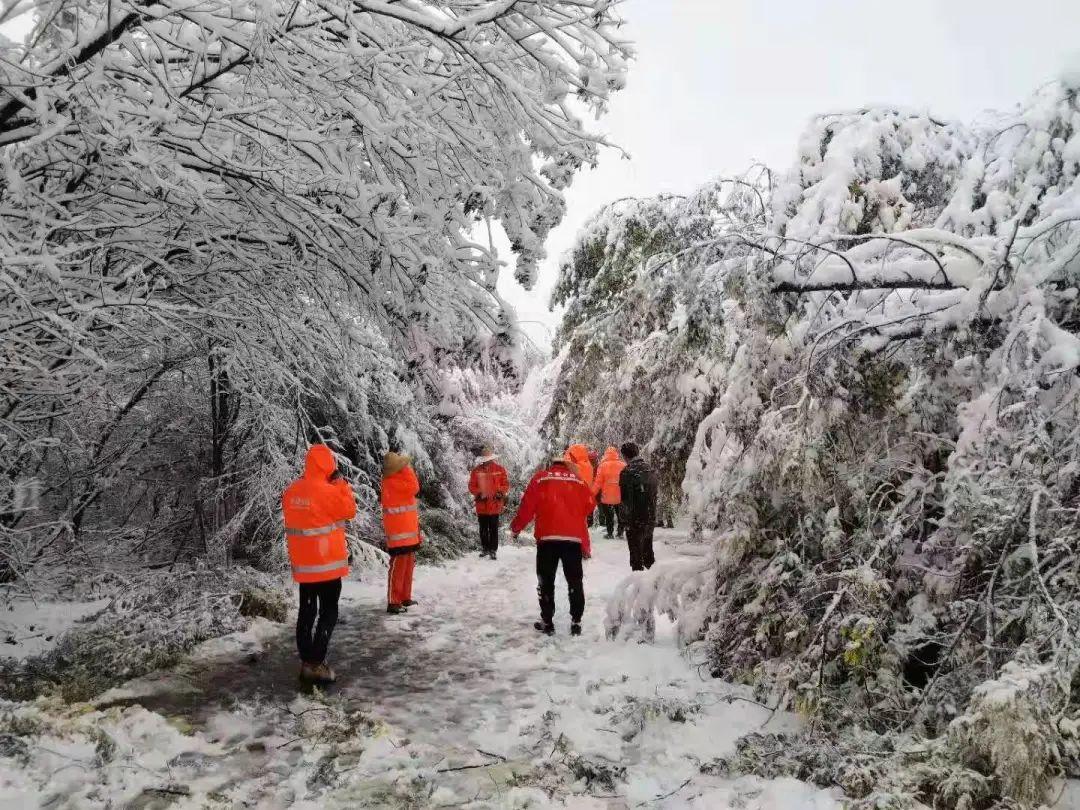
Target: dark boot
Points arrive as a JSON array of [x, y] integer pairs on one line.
[[395, 609], [408, 603], [575, 629], [323, 674], [547, 628]]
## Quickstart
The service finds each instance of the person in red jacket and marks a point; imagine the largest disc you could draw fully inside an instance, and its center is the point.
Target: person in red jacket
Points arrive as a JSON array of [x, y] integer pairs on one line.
[[489, 485], [316, 508], [559, 501]]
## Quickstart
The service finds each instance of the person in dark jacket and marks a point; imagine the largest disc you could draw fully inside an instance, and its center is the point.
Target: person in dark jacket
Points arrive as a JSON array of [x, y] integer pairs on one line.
[[637, 485]]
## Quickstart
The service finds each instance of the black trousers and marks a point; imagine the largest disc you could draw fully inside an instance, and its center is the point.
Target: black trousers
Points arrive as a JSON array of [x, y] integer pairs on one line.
[[611, 519], [549, 553], [317, 599], [489, 533], [639, 537]]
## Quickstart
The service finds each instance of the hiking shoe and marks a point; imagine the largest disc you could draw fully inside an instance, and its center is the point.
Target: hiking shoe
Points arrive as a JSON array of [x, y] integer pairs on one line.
[[609, 537], [492, 555], [307, 672], [547, 628], [575, 629], [395, 609], [408, 603], [321, 673]]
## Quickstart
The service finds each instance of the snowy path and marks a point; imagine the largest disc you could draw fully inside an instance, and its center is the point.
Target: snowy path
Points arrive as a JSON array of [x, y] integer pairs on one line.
[[458, 704]]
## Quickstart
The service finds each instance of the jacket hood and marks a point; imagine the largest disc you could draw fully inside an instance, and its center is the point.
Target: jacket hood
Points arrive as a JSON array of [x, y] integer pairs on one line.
[[394, 463], [320, 462], [611, 454], [485, 459], [578, 452]]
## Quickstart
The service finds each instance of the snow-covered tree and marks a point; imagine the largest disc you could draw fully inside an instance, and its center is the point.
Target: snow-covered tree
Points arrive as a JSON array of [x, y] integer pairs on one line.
[[885, 462], [643, 287], [229, 228]]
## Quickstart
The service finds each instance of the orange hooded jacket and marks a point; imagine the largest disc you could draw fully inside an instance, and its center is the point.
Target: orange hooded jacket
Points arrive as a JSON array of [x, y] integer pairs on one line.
[[578, 456], [316, 510], [606, 483], [401, 518]]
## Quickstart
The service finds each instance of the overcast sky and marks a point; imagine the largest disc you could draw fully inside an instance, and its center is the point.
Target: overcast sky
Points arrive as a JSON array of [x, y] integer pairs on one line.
[[719, 84]]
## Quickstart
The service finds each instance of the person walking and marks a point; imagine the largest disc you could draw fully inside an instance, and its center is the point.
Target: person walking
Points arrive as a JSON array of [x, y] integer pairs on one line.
[[401, 521], [489, 485], [559, 502], [637, 484], [577, 457], [316, 508], [606, 490]]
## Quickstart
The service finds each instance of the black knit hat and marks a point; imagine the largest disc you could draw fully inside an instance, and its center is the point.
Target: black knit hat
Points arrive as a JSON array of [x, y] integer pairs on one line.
[[629, 450]]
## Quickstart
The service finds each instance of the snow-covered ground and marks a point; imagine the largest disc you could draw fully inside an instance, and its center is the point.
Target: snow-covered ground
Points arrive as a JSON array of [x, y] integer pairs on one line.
[[460, 703], [29, 628]]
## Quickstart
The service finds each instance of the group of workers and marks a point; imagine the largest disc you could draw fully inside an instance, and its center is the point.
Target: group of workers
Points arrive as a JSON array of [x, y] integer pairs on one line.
[[560, 499]]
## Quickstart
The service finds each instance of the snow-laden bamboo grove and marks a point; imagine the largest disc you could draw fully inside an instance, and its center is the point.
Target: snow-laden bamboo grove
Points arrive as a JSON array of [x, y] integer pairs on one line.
[[229, 228], [859, 378]]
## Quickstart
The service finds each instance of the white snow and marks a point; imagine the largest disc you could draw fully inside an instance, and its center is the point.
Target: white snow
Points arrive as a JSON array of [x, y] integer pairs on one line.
[[479, 711], [30, 628]]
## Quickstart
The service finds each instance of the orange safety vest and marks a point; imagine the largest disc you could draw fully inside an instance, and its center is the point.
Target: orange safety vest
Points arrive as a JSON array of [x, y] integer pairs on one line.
[[316, 510], [401, 518]]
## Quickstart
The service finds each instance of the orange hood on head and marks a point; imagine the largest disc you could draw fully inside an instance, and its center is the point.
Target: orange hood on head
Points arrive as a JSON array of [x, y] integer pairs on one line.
[[578, 453], [611, 454], [578, 456], [320, 462]]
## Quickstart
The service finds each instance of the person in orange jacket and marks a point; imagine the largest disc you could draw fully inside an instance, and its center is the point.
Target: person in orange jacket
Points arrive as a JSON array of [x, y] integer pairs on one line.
[[489, 485], [316, 508], [558, 500], [606, 489], [401, 521], [577, 455]]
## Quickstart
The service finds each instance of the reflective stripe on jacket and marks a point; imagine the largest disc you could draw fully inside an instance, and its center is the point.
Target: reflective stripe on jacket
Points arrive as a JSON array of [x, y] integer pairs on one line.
[[489, 485], [559, 502], [316, 510], [401, 515], [606, 483]]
